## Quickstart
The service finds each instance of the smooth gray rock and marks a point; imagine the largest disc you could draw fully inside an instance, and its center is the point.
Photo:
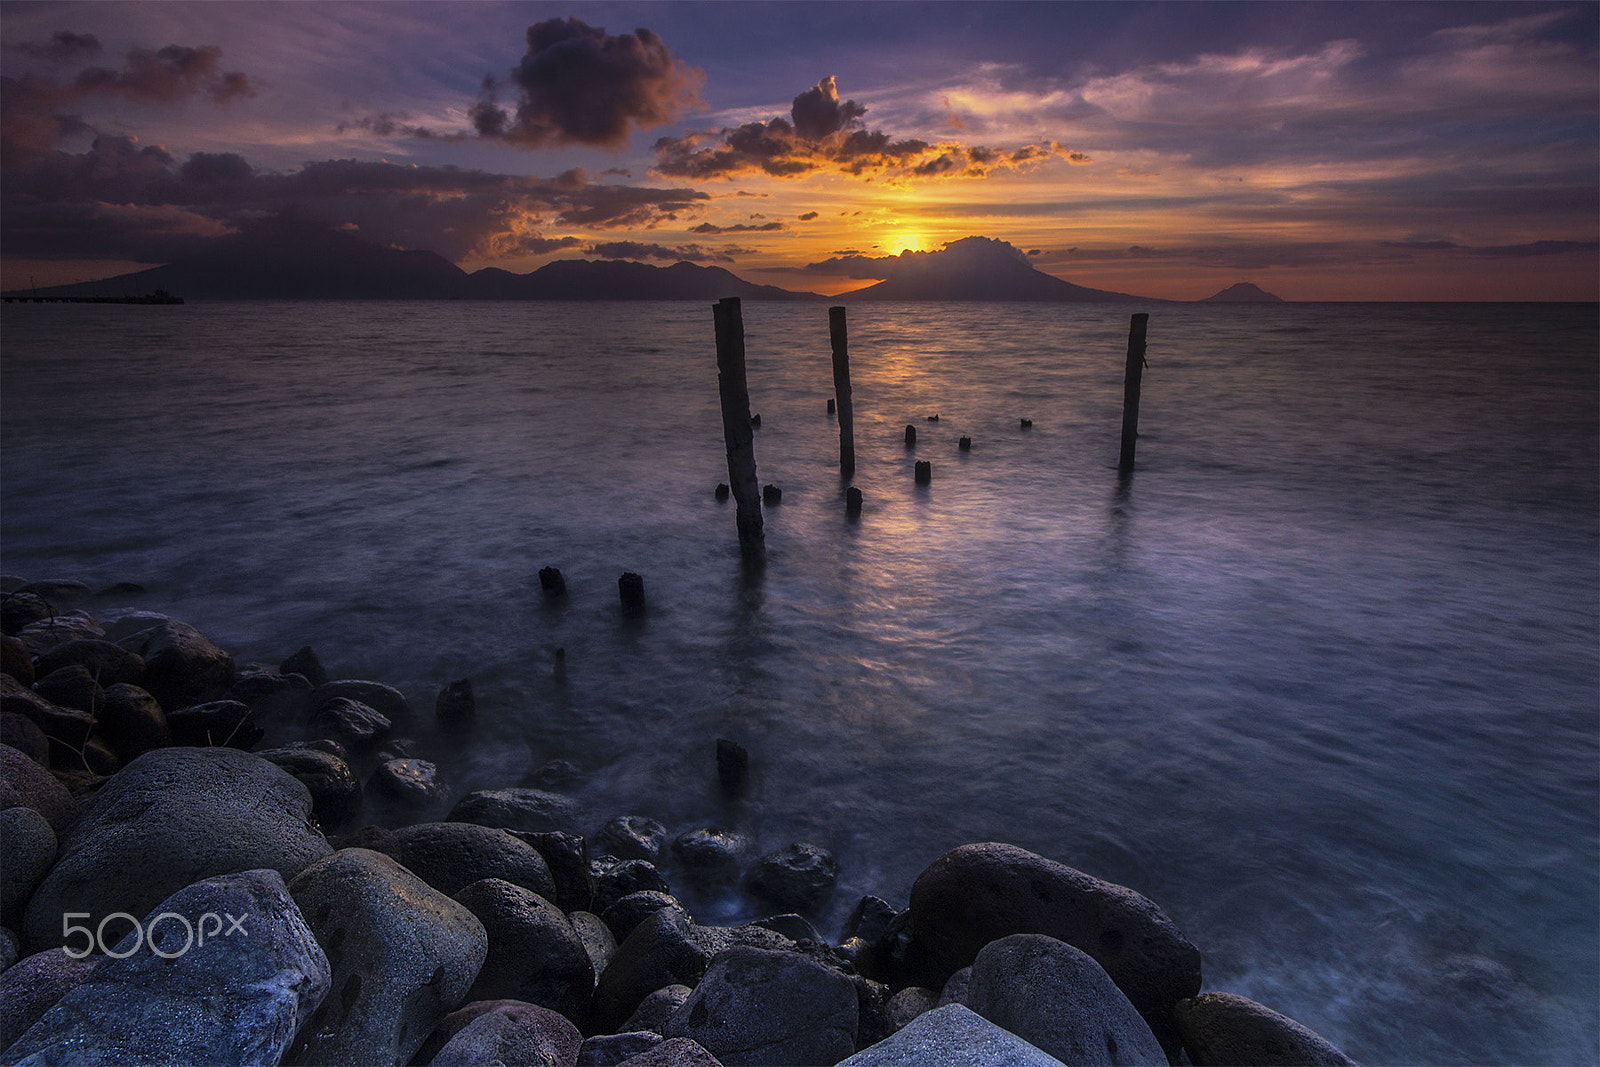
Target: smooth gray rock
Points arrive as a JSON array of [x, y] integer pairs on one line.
[[955, 990], [979, 893], [132, 721], [452, 855], [1224, 1028], [72, 686], [10, 949], [909, 1003], [182, 667], [711, 857], [608, 1050], [402, 953], [453, 1023], [216, 723], [614, 879], [654, 1010], [759, 1006], [535, 954], [952, 1036], [523, 810], [1058, 998], [32, 986], [597, 939], [41, 636], [624, 916], [528, 1035], [27, 851], [23, 782], [567, 856], [67, 725], [107, 663], [797, 878], [632, 837], [238, 998], [23, 734], [169, 819], [386, 700], [335, 790], [350, 721], [674, 1052]]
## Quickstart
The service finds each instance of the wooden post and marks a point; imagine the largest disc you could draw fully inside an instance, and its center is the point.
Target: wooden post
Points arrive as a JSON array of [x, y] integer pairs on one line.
[[630, 590], [736, 432], [841, 391], [1133, 378]]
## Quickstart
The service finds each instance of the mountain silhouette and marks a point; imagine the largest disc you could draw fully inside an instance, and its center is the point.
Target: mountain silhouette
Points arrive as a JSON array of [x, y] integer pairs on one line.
[[976, 268], [1242, 293]]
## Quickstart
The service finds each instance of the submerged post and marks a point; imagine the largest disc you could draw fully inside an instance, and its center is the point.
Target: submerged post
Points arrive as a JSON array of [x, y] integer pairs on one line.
[[1133, 378], [841, 391], [736, 431]]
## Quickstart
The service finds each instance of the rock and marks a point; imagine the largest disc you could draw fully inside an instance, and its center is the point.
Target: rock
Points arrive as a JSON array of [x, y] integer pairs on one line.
[[556, 774], [452, 855], [169, 819], [654, 1010], [24, 735], [33, 985], [40, 637], [632, 837], [69, 726], [454, 1022], [24, 782], [710, 857], [386, 700], [1058, 998], [869, 920], [335, 790], [350, 721], [72, 687], [523, 810], [273, 695], [132, 721], [16, 660], [10, 950], [97, 759], [1223, 1028], [412, 782], [980, 893], [758, 1006], [796, 878], [526, 1034], [535, 954], [455, 705], [955, 989], [674, 1052], [909, 1003], [127, 623], [952, 1036], [402, 954], [627, 913], [790, 925], [59, 590], [218, 724], [613, 881], [262, 973], [306, 664], [323, 744], [608, 1050], [567, 856], [596, 937], [19, 610], [181, 665], [27, 851], [106, 662]]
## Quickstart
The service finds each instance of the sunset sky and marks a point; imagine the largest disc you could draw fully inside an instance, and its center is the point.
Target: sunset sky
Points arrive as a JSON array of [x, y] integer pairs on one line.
[[1432, 151]]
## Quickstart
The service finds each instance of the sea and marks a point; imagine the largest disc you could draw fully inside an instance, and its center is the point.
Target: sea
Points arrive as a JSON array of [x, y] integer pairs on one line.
[[1320, 676]]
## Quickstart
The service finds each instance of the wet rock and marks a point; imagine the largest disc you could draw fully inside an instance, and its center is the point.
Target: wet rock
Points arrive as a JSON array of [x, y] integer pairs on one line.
[[956, 987], [909, 1003], [402, 955], [335, 790], [324, 744], [98, 759], [980, 893], [1056, 997], [163, 1004], [16, 660], [952, 1036], [132, 721], [654, 1010], [350, 722], [710, 857], [69, 726], [24, 735], [107, 663], [24, 782], [181, 665], [525, 810], [59, 591], [73, 687], [796, 878], [386, 700], [10, 949], [27, 851], [413, 783], [273, 695], [627, 913], [614, 880], [1223, 1028], [216, 724], [758, 1006], [454, 1022], [596, 937], [869, 920], [535, 953], [452, 855], [455, 705], [523, 1035], [19, 610], [33, 985], [127, 623], [632, 837], [40, 637], [567, 856], [608, 1050], [790, 925], [675, 1052], [306, 664], [169, 819], [556, 774]]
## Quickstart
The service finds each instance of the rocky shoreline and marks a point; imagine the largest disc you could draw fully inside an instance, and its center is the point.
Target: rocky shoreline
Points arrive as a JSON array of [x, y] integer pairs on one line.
[[173, 892]]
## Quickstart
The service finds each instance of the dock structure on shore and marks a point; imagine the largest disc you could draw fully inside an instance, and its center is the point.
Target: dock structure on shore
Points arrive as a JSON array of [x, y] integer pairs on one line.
[[160, 296]]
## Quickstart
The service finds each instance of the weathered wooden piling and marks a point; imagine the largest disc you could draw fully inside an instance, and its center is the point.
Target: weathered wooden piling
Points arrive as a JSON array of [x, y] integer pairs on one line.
[[455, 705], [924, 472], [965, 444], [736, 433], [1132, 380], [630, 589], [830, 406], [841, 391], [911, 436], [733, 767], [852, 501], [551, 581], [771, 494]]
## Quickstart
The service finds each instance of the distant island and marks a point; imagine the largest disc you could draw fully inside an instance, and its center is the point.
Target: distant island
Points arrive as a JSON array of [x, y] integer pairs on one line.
[[977, 268], [1242, 293]]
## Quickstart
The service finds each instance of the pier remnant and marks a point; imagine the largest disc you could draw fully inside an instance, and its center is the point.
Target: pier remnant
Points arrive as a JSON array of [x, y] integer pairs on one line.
[[736, 432], [852, 501], [733, 767], [911, 437], [551, 581], [630, 588], [838, 335], [830, 406], [1027, 424], [455, 705], [965, 444], [924, 472], [771, 494], [1133, 379]]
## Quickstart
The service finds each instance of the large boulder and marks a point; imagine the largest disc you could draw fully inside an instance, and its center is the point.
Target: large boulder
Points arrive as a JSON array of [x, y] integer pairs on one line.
[[66, 726], [1057, 998], [535, 955], [521, 810], [238, 997], [72, 687], [1224, 1028], [32, 986], [452, 855], [169, 819], [631, 837], [24, 782], [526, 1034], [132, 721], [674, 1052], [758, 1006], [107, 663], [27, 850], [979, 893], [402, 954], [181, 665], [796, 878], [335, 790], [952, 1036], [386, 700], [216, 723]]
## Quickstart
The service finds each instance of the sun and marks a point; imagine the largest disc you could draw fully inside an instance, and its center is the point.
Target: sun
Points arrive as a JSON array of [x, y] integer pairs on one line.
[[905, 242]]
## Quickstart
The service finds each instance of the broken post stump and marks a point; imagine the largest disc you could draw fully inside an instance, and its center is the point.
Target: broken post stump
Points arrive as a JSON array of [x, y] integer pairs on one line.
[[924, 472], [771, 494], [733, 767], [841, 391], [830, 406], [852, 501], [911, 436], [455, 705], [630, 588], [734, 390], [965, 444], [1133, 379], [551, 581]]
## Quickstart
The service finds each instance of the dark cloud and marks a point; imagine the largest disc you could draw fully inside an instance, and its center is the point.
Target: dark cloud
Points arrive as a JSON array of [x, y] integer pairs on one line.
[[855, 264], [387, 124], [807, 217], [821, 134], [64, 46], [579, 84], [693, 253], [743, 227]]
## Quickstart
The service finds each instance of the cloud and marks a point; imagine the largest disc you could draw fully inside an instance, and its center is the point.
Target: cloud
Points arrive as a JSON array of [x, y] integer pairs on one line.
[[693, 253], [823, 135], [972, 250], [578, 84], [743, 227], [64, 46]]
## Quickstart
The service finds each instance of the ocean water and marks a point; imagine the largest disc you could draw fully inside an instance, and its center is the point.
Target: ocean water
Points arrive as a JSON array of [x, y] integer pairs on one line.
[[1321, 678]]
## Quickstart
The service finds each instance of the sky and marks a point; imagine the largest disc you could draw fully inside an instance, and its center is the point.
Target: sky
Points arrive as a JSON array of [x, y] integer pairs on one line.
[[1343, 151]]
